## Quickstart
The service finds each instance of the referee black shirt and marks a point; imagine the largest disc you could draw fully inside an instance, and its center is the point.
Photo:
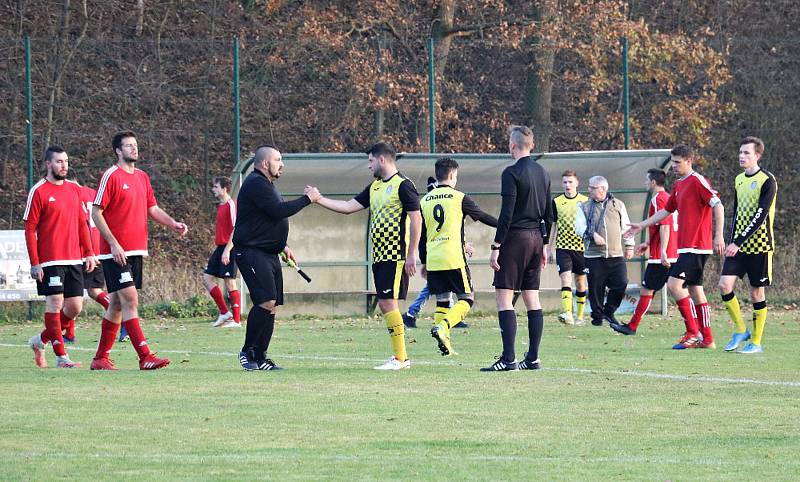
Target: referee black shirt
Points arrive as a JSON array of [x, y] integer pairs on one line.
[[262, 214], [525, 187]]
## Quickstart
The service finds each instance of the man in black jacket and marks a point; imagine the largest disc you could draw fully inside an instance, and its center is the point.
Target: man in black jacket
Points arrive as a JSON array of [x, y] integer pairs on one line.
[[518, 256], [259, 237]]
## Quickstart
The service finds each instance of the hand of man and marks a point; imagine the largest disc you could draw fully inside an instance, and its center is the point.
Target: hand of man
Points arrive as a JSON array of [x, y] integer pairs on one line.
[[731, 250], [118, 254], [719, 246], [91, 263], [633, 230], [641, 248], [289, 254], [628, 252], [598, 240], [226, 256], [493, 259], [411, 265], [423, 271], [312, 193], [37, 273], [469, 249], [664, 260], [180, 228]]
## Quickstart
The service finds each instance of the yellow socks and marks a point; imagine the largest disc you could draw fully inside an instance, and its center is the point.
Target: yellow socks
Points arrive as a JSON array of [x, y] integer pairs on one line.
[[759, 319], [735, 312], [457, 313], [397, 333], [580, 303], [566, 300]]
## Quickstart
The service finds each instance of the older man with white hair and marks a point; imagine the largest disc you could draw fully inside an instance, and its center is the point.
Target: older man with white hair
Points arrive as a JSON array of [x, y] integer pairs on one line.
[[601, 221]]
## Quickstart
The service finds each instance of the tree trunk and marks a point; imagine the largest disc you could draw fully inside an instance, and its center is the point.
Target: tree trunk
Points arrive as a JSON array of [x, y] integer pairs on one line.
[[540, 82], [139, 17], [379, 121]]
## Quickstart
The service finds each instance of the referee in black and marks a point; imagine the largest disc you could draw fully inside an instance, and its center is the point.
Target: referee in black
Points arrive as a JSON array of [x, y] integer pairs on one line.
[[259, 237], [517, 255]]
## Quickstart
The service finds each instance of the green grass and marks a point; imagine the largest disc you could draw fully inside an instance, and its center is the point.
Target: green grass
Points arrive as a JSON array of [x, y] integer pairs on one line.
[[604, 406]]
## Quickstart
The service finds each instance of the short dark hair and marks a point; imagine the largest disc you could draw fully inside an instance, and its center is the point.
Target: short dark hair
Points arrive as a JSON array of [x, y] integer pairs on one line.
[[116, 141], [224, 182], [569, 173], [259, 157], [657, 176], [443, 167], [382, 149], [682, 150], [758, 144], [522, 136], [54, 149]]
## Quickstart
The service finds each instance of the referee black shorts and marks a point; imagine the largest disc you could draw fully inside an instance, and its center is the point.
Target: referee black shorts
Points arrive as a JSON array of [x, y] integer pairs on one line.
[[95, 279], [262, 274], [121, 277], [689, 268], [216, 268], [520, 261], [456, 281], [391, 280], [655, 276], [757, 267], [62, 279], [570, 260]]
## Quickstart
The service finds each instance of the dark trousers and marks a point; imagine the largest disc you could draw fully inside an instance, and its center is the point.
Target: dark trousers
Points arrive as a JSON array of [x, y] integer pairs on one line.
[[605, 273]]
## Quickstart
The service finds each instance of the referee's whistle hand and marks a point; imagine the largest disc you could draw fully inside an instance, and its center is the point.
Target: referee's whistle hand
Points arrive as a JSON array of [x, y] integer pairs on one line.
[[493, 259]]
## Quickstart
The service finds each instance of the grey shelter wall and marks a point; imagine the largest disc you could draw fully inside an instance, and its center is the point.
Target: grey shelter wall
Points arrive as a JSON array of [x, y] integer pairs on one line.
[[334, 248]]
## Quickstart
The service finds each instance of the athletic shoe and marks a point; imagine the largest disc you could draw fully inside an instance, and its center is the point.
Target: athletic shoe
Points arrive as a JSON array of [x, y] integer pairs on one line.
[[409, 321], [611, 319], [65, 362], [68, 339], [35, 342], [750, 348], [221, 319], [527, 364], [597, 322], [102, 364], [688, 340], [123, 334], [502, 366], [623, 328], [709, 345], [232, 324], [461, 324], [579, 321], [247, 361], [152, 362], [566, 318], [737, 339], [394, 364], [268, 364], [443, 339]]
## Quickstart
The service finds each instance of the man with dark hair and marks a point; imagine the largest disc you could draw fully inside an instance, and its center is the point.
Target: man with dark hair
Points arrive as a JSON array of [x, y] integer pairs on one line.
[[517, 252], [662, 243], [392, 199], [752, 243], [215, 268], [697, 203], [57, 238], [442, 253], [124, 202], [258, 240], [569, 249]]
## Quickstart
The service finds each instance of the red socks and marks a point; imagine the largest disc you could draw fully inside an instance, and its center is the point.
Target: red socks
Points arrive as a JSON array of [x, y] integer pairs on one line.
[[52, 327], [641, 308], [236, 308], [138, 340], [704, 320], [216, 295], [67, 325], [687, 312], [108, 335], [103, 299]]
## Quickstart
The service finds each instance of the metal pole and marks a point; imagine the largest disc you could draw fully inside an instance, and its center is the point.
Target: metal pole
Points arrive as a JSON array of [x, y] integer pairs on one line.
[[236, 103], [625, 92], [29, 110], [431, 97]]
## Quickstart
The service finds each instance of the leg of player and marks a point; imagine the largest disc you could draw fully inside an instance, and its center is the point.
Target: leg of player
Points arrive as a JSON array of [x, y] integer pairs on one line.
[[410, 316], [71, 309], [394, 323], [216, 295], [535, 329], [703, 317], [566, 298], [581, 290], [740, 331], [235, 300], [758, 295], [681, 295], [507, 319]]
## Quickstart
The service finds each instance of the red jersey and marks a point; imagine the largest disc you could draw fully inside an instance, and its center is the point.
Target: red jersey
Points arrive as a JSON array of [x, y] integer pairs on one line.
[[87, 197], [657, 203], [56, 232], [693, 197], [125, 199], [226, 220]]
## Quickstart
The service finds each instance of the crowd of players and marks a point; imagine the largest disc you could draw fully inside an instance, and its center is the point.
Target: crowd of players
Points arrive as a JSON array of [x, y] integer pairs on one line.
[[81, 238]]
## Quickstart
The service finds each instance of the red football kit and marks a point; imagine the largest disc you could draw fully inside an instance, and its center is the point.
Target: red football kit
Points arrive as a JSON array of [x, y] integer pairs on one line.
[[87, 197], [657, 203], [226, 220], [693, 198]]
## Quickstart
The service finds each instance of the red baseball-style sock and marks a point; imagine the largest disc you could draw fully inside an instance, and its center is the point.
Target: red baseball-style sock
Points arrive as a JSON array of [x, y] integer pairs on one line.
[[138, 340], [704, 319], [641, 308], [236, 305], [52, 324], [67, 324], [216, 295], [685, 307], [108, 335], [103, 299]]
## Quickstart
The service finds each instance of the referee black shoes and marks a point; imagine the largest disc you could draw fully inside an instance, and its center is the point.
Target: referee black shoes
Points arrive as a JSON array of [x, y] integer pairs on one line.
[[501, 365]]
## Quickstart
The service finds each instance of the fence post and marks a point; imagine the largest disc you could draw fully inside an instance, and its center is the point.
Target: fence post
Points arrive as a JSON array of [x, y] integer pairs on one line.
[[625, 92], [29, 110], [236, 99], [431, 97]]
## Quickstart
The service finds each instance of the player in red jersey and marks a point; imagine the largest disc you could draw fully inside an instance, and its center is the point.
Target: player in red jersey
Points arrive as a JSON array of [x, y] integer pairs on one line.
[[57, 238], [123, 204], [663, 251], [697, 203], [215, 268]]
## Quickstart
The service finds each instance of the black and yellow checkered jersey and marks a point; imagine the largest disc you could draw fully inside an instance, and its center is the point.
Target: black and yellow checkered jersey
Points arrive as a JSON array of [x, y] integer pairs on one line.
[[565, 209], [754, 212], [441, 245], [388, 203]]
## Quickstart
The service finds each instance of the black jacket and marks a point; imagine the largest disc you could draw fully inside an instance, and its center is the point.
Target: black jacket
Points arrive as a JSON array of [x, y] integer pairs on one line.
[[525, 187]]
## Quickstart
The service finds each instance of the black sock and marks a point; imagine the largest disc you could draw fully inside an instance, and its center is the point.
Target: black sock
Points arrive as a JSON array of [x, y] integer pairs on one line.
[[266, 335], [253, 329], [508, 331], [535, 328]]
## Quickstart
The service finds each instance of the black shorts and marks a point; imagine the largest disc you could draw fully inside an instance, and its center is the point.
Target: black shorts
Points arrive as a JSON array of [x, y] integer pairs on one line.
[[569, 260], [120, 277], [66, 280], [456, 281], [95, 279], [689, 268], [262, 274], [655, 276], [520, 261], [391, 280], [217, 269], [757, 267]]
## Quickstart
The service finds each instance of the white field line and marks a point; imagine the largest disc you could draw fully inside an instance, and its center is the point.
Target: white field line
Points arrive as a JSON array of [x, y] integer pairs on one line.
[[664, 376]]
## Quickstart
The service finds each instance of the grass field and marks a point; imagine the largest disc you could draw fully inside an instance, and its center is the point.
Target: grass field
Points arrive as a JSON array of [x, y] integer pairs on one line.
[[603, 406]]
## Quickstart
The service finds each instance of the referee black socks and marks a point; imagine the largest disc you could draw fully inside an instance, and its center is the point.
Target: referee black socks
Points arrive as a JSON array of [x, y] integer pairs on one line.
[[535, 329], [508, 331]]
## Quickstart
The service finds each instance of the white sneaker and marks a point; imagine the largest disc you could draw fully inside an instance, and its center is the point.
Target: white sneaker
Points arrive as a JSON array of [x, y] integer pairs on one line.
[[222, 319], [65, 362], [232, 324], [566, 318], [35, 342], [394, 364]]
